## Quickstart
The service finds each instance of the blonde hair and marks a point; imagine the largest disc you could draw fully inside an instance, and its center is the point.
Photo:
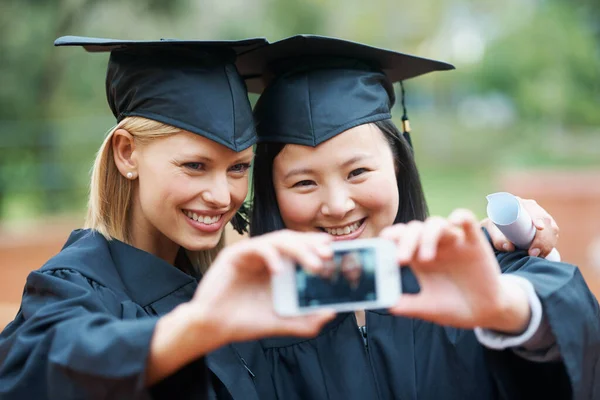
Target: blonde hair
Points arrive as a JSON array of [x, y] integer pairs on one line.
[[109, 203]]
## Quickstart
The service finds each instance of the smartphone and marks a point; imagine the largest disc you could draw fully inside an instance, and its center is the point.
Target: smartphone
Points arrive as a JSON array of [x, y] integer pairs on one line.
[[363, 274]]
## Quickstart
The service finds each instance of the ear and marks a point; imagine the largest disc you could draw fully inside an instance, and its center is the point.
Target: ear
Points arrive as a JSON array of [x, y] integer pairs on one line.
[[123, 145]]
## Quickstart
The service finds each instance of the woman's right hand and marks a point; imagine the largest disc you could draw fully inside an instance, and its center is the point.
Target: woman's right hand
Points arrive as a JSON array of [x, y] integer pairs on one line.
[[235, 293], [233, 301]]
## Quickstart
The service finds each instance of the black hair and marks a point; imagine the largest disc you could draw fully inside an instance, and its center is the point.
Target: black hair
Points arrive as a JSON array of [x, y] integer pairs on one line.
[[266, 216]]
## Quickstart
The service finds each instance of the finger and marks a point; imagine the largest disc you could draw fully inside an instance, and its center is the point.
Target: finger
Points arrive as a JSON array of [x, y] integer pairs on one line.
[[539, 224], [544, 241], [435, 230], [546, 222], [268, 256], [537, 213], [300, 247], [394, 232], [536, 250], [397, 234], [499, 241], [270, 249], [554, 225], [408, 242], [321, 244], [466, 220]]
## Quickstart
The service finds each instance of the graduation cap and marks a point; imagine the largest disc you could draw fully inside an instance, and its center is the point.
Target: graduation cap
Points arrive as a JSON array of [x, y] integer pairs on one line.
[[192, 85], [315, 87]]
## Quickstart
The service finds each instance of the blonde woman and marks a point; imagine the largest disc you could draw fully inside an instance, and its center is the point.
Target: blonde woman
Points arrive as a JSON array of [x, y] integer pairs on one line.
[[119, 312]]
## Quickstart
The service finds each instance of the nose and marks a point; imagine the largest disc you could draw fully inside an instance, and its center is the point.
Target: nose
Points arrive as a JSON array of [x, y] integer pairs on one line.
[[337, 204], [217, 194]]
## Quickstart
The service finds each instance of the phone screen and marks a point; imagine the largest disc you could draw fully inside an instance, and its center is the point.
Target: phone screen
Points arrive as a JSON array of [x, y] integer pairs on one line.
[[348, 277]]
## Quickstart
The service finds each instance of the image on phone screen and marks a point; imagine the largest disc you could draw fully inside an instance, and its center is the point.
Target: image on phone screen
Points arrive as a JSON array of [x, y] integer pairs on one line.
[[348, 277]]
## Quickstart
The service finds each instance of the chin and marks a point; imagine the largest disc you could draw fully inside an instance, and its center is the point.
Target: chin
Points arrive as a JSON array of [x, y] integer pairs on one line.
[[203, 243]]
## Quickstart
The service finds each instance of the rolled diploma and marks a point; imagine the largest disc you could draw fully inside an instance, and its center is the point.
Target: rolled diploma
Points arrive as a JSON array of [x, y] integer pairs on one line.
[[505, 211]]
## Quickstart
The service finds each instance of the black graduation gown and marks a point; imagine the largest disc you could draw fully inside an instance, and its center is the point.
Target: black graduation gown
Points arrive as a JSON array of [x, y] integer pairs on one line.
[[413, 359], [85, 324]]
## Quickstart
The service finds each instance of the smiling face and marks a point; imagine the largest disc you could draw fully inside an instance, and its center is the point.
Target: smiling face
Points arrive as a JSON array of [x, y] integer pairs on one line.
[[187, 189], [345, 186]]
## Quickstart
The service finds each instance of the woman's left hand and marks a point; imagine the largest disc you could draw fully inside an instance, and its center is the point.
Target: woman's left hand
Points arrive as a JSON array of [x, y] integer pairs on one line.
[[459, 276]]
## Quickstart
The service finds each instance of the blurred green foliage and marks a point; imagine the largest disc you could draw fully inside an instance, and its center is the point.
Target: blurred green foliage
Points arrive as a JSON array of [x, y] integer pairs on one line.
[[525, 93]]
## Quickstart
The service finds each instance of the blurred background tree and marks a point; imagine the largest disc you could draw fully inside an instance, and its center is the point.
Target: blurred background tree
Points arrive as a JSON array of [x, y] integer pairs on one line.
[[39, 164], [525, 92]]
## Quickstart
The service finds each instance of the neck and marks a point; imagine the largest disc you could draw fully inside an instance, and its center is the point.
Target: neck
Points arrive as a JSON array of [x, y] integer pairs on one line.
[[146, 237]]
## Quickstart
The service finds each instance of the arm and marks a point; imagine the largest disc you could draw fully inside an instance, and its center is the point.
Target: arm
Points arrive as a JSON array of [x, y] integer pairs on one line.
[[462, 286], [572, 313], [536, 342], [65, 343], [179, 338]]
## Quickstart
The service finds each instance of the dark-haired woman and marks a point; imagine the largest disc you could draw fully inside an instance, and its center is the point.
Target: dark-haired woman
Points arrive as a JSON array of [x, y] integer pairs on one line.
[[472, 323]]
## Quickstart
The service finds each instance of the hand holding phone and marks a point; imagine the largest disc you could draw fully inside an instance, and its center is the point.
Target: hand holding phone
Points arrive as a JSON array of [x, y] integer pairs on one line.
[[460, 281], [362, 274]]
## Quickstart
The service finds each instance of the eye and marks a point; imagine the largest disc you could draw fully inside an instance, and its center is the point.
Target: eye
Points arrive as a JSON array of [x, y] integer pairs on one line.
[[194, 165], [356, 172], [304, 183], [240, 168]]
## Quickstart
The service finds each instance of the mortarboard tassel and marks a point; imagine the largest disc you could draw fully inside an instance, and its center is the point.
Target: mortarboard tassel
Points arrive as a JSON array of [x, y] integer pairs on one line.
[[405, 121]]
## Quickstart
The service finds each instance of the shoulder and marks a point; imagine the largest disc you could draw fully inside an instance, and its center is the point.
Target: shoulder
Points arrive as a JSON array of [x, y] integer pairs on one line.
[[83, 273], [86, 253]]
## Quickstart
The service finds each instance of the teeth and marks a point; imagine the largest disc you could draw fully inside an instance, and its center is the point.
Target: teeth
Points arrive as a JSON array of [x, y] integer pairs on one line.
[[210, 220], [205, 219], [346, 230]]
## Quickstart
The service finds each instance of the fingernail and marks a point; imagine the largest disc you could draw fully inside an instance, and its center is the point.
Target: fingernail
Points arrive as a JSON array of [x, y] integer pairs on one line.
[[534, 252], [539, 223], [506, 246]]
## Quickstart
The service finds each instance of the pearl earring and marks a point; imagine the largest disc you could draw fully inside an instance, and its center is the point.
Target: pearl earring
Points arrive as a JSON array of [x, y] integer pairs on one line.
[[130, 175]]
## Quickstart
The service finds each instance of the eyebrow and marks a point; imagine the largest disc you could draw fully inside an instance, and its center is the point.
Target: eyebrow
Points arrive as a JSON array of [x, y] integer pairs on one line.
[[356, 158], [307, 171], [298, 171], [197, 157], [208, 160]]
